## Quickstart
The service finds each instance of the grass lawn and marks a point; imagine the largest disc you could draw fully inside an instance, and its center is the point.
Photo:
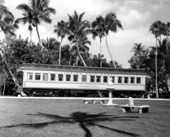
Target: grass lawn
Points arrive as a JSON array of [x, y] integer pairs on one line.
[[71, 118]]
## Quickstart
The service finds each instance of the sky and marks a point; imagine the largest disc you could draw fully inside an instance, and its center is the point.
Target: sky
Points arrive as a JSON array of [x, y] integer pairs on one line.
[[136, 17]]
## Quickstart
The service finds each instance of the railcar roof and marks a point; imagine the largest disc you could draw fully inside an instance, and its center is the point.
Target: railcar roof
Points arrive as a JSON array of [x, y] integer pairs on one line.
[[50, 67]]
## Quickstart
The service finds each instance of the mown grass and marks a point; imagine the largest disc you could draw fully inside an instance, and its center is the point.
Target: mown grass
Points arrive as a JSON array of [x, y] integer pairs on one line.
[[71, 118]]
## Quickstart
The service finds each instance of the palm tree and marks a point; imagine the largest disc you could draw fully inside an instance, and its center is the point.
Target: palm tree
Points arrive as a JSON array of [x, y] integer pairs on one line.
[[28, 17], [137, 59], [83, 50], [102, 26], [138, 49], [35, 12], [167, 35], [7, 26], [78, 29], [97, 30], [111, 23], [157, 29], [61, 30], [51, 45]]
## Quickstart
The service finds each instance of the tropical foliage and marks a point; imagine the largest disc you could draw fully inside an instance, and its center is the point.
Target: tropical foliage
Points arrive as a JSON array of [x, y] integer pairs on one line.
[[144, 58], [61, 29], [34, 13], [72, 45], [77, 31], [101, 28]]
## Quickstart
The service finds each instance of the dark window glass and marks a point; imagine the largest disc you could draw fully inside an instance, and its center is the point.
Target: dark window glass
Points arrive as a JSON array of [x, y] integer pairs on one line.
[[92, 78], [75, 77], [98, 78], [68, 77], [60, 77], [119, 79], [138, 80], [105, 79], [37, 76], [52, 77], [113, 79], [126, 79], [132, 80]]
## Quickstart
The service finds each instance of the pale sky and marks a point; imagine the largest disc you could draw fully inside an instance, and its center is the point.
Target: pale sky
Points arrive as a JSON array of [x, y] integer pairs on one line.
[[136, 17]]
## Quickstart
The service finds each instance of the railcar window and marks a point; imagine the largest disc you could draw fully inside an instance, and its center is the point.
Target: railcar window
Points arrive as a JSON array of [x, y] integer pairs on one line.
[[126, 79], [37, 76], [92, 78], [45, 76], [138, 80], [60, 77], [98, 78], [105, 79], [84, 78], [119, 79], [132, 80], [113, 79], [68, 77], [52, 77], [30, 76], [75, 78]]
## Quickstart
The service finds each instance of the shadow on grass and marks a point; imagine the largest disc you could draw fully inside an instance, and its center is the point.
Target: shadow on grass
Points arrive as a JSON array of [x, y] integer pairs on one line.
[[84, 120]]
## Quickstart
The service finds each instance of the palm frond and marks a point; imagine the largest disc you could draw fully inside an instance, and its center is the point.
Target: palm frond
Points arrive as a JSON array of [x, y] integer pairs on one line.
[[24, 7]]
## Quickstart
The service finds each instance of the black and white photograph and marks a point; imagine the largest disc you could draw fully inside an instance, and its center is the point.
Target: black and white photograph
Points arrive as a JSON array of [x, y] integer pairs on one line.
[[84, 68]]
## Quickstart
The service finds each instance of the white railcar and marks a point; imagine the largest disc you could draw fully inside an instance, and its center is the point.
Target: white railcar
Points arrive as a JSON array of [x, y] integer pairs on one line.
[[64, 78]]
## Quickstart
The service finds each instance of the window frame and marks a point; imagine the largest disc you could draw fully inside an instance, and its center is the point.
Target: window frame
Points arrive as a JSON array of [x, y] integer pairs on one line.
[[92, 78], [105, 78], [84, 78], [46, 76], [68, 77], [138, 78], [28, 75], [126, 80], [75, 76], [98, 79], [60, 76], [39, 76], [120, 80], [131, 80], [54, 77]]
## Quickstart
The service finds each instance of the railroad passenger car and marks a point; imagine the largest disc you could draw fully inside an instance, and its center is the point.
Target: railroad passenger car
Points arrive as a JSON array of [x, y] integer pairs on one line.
[[43, 79]]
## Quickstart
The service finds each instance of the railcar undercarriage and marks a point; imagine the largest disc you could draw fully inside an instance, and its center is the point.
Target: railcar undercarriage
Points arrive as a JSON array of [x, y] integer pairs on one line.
[[80, 93]]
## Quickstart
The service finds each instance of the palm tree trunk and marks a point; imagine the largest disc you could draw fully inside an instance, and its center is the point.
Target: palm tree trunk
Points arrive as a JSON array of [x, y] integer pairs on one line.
[[9, 71], [4, 87], [70, 60], [30, 37], [80, 55], [1, 90], [110, 52], [100, 52], [38, 33], [77, 61], [70, 54], [59, 62], [156, 73], [167, 41]]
